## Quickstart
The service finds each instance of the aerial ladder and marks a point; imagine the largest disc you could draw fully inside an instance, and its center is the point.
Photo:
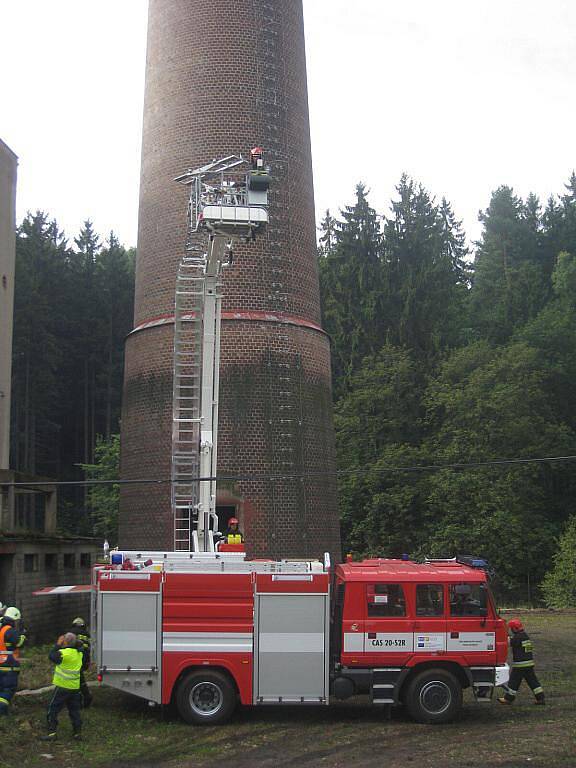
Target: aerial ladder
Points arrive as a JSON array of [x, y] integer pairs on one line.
[[228, 202]]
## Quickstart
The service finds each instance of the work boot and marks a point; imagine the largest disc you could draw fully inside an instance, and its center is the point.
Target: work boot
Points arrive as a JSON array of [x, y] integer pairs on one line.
[[504, 700], [540, 700], [77, 736], [52, 736]]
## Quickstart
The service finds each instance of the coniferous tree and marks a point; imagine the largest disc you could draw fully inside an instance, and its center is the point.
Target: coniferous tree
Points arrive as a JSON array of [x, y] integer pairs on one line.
[[40, 296], [509, 285], [73, 309], [425, 274], [351, 279]]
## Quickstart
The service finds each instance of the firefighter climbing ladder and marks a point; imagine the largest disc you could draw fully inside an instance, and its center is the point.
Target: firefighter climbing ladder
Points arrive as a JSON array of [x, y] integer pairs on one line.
[[228, 201]]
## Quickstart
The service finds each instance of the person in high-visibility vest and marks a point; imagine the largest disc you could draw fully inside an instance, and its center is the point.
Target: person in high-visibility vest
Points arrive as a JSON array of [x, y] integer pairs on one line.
[[233, 535], [82, 633], [522, 665], [67, 655], [11, 640]]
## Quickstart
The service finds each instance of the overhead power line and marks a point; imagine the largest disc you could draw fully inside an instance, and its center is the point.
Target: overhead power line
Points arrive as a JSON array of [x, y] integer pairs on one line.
[[382, 469]]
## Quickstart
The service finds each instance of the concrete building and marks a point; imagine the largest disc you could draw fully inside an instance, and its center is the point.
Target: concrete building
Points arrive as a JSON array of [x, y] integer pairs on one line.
[[221, 78], [32, 553], [8, 170]]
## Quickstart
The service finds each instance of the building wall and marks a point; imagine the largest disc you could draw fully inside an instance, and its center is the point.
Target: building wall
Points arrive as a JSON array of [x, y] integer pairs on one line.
[[221, 78], [8, 168], [27, 565]]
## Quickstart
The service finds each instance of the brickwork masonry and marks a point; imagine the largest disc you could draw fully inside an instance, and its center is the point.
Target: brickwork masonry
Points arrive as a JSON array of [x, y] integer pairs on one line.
[[221, 78]]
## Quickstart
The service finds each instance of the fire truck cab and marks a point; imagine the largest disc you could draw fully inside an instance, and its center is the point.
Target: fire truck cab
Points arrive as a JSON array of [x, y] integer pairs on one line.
[[416, 634], [207, 632]]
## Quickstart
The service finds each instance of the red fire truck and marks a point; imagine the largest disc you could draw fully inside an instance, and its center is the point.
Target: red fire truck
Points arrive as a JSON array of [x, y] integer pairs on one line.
[[207, 632], [206, 628]]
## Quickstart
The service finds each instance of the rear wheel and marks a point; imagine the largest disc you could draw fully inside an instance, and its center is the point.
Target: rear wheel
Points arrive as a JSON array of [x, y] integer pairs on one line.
[[434, 696], [206, 698]]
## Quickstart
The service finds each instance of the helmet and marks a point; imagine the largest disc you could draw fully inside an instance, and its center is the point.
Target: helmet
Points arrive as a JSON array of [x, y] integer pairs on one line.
[[233, 521], [78, 622], [516, 625], [12, 613]]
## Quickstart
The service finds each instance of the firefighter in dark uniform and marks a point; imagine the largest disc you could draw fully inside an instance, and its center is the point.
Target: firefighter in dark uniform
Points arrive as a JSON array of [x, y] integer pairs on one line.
[[68, 657], [11, 640], [82, 633], [233, 535], [522, 665]]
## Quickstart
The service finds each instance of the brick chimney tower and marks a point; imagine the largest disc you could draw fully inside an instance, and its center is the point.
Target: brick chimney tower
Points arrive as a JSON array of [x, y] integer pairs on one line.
[[221, 78]]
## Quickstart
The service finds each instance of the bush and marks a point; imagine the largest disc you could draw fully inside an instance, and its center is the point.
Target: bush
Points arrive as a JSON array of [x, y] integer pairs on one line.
[[559, 585]]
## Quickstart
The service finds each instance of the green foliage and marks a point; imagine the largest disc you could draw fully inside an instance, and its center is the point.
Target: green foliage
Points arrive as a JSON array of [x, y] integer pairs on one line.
[[509, 285], [104, 498], [559, 584], [446, 364], [72, 311], [351, 285], [425, 274]]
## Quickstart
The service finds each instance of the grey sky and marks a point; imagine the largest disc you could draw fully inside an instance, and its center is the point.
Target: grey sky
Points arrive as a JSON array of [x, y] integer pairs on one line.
[[462, 95]]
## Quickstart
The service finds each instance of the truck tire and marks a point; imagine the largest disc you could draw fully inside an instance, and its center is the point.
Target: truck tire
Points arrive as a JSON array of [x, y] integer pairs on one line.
[[434, 696], [206, 698]]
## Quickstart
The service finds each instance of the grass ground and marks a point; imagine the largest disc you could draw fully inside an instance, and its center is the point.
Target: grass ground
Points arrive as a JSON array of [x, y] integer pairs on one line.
[[123, 732]]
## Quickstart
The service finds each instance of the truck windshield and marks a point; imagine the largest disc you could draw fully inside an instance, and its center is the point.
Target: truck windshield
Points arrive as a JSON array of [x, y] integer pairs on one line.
[[468, 599]]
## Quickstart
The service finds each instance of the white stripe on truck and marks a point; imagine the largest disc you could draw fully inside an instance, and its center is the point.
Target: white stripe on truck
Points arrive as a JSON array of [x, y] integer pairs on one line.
[[207, 642]]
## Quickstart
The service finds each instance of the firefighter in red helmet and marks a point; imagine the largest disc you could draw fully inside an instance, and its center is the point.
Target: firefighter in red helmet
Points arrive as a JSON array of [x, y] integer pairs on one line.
[[233, 535], [522, 665], [257, 158]]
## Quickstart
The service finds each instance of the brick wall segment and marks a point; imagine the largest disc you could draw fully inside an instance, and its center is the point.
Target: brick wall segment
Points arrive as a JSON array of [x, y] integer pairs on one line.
[[221, 78]]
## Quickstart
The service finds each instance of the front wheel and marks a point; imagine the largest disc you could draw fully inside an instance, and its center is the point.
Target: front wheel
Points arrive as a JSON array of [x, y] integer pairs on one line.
[[206, 698], [434, 696]]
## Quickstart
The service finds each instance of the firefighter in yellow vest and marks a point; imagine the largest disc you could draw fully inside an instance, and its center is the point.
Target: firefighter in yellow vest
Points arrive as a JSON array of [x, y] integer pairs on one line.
[[233, 535], [82, 633], [67, 655], [11, 640]]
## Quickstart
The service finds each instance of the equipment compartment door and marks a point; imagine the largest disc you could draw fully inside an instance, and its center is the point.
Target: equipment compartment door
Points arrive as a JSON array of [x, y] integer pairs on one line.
[[291, 654], [130, 628]]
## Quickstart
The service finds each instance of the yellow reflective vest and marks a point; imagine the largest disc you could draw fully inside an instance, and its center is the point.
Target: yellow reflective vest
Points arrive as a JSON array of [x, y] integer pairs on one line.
[[67, 673]]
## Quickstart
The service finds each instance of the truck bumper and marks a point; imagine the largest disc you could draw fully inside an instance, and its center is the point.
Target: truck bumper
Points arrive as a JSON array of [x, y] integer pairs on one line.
[[502, 674]]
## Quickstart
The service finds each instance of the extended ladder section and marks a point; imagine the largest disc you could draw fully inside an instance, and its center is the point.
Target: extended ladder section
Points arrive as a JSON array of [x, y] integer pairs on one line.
[[228, 201], [189, 303]]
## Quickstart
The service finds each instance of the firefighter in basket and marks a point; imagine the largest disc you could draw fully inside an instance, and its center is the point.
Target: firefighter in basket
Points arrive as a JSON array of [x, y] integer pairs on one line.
[[233, 535], [68, 657], [12, 638], [522, 665], [82, 633]]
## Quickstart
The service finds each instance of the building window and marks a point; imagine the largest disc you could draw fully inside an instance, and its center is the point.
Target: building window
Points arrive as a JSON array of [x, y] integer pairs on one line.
[[69, 560], [85, 559], [386, 600], [30, 563], [51, 561]]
